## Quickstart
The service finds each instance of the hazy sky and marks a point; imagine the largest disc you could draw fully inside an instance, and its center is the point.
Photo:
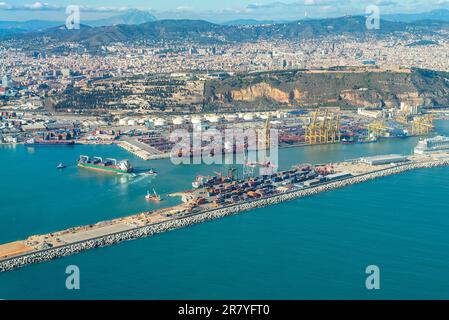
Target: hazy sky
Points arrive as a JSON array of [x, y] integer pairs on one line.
[[213, 10]]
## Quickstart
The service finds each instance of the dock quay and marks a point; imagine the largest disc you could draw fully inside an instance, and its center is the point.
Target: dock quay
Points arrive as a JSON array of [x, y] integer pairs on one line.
[[74, 240], [141, 150]]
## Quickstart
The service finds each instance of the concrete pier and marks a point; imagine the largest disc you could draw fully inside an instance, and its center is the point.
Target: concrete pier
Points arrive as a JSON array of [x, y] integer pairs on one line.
[[141, 149]]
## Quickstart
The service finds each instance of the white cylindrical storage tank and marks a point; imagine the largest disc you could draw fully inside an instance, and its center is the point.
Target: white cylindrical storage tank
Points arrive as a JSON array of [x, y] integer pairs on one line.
[[230, 117], [159, 122], [213, 118], [195, 120], [132, 122], [178, 121], [248, 117]]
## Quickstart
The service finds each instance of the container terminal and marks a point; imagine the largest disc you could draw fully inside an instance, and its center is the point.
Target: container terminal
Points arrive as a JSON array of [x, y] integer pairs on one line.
[[147, 136], [214, 198]]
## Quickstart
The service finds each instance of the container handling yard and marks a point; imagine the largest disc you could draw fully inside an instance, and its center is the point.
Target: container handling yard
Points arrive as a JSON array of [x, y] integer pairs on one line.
[[212, 198]]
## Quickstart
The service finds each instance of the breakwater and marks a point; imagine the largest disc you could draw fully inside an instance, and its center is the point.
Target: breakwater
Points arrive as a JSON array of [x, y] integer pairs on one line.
[[144, 231]]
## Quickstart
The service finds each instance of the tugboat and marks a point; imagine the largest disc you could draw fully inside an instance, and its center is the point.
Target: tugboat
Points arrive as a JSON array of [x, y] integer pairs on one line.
[[61, 166], [150, 172], [153, 197]]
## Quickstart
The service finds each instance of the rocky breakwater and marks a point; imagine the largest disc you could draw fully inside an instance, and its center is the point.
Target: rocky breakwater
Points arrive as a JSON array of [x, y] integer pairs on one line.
[[176, 223]]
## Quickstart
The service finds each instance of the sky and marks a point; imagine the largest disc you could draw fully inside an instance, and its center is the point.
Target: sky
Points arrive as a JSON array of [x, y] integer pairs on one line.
[[212, 10]]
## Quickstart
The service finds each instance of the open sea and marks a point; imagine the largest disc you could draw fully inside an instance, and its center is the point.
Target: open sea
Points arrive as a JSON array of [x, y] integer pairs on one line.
[[312, 248]]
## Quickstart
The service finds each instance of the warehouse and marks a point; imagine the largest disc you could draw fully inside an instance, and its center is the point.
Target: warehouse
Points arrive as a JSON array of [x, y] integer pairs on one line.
[[386, 159]]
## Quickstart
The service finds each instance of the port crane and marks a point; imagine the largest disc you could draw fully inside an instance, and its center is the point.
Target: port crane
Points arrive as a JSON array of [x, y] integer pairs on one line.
[[377, 129], [422, 125], [323, 130], [264, 138], [311, 129], [402, 117], [335, 129], [231, 175]]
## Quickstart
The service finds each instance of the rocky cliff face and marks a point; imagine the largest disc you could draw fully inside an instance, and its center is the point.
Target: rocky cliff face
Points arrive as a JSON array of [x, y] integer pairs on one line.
[[349, 89], [261, 91]]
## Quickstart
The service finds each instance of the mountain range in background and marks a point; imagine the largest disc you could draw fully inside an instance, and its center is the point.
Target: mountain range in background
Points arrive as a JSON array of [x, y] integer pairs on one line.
[[203, 32], [435, 15], [135, 25], [130, 17], [135, 17], [253, 22]]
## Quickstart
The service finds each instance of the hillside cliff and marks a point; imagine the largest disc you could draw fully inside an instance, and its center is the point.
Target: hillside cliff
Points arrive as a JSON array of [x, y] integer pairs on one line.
[[343, 88]]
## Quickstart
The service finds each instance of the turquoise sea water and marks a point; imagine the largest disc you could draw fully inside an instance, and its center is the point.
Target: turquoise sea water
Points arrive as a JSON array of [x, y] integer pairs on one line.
[[311, 248]]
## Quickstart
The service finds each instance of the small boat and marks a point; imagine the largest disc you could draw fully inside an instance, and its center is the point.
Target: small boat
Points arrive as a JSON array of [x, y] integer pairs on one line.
[[150, 172], [61, 166], [153, 197]]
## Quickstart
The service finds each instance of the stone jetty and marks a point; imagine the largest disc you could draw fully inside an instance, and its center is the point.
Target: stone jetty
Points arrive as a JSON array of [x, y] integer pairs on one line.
[[181, 222]]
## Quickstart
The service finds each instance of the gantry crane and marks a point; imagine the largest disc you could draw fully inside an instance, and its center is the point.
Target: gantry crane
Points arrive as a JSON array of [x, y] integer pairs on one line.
[[331, 126], [422, 125], [377, 129], [311, 129], [323, 133], [324, 130], [402, 117], [264, 139], [337, 128]]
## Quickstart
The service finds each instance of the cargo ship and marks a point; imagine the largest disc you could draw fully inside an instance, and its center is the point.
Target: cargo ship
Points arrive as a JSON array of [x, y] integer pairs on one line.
[[36, 142], [432, 145], [107, 165]]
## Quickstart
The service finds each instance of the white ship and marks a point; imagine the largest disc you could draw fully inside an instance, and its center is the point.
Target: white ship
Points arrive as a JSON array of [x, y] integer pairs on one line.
[[432, 145]]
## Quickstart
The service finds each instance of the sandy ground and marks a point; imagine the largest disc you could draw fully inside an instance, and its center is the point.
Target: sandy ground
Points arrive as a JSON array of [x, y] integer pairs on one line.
[[13, 248]]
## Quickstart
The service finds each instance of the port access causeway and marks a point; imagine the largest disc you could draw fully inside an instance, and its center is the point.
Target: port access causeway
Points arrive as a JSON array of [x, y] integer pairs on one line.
[[39, 248]]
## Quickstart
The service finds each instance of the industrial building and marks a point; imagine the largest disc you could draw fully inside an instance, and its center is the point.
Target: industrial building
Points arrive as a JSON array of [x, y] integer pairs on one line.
[[384, 159]]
